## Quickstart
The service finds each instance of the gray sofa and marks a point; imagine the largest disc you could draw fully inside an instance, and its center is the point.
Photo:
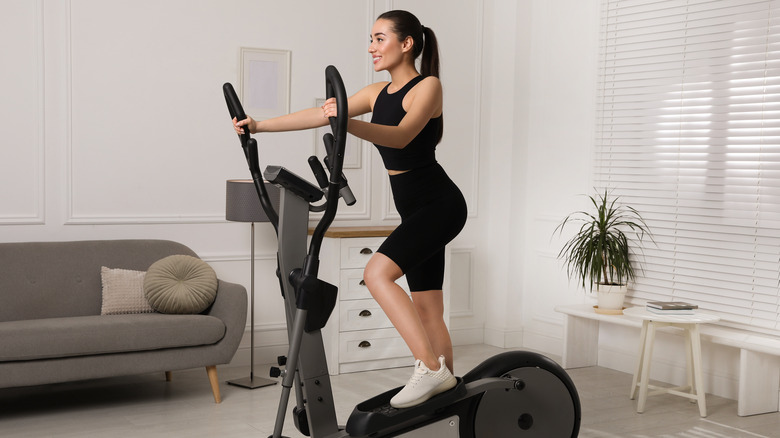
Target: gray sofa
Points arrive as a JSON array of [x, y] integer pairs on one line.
[[52, 330]]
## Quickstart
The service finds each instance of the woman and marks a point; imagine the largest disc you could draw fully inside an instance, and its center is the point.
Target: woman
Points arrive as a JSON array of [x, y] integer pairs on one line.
[[406, 126]]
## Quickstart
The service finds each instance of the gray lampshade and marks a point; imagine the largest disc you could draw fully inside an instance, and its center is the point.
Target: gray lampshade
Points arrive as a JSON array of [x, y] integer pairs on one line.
[[242, 203]]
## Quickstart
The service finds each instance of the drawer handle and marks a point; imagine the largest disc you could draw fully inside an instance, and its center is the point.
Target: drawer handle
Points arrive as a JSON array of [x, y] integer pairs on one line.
[[366, 251], [362, 282], [364, 344], [364, 313]]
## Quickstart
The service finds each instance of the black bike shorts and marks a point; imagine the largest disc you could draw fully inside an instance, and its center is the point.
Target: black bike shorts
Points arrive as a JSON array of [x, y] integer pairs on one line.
[[433, 211]]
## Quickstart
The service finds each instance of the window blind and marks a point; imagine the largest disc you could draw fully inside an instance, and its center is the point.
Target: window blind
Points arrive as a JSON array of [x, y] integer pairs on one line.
[[688, 133]]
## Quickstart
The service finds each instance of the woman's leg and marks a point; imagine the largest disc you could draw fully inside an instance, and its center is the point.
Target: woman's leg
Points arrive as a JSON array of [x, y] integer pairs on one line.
[[380, 276], [430, 308]]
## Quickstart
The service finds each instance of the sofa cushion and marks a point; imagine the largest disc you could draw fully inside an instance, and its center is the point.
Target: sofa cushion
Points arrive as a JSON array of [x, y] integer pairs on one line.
[[123, 292], [180, 284], [91, 335]]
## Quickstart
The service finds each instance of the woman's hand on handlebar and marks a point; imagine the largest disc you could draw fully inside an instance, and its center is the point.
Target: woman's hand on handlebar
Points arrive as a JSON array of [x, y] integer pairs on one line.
[[329, 108], [248, 122]]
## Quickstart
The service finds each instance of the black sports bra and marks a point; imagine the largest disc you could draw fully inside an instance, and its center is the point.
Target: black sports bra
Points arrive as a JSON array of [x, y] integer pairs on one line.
[[421, 151]]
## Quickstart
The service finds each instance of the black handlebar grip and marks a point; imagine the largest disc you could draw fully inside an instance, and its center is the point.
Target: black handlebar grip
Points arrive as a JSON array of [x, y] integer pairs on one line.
[[235, 109], [334, 87], [328, 140], [252, 159], [257, 178], [319, 171]]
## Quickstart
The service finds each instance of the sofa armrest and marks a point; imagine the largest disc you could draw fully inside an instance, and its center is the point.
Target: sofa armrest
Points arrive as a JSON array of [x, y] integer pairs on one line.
[[230, 306]]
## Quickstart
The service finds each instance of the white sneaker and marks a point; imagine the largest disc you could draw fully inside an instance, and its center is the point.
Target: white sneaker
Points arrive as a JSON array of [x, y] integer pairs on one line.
[[423, 385]]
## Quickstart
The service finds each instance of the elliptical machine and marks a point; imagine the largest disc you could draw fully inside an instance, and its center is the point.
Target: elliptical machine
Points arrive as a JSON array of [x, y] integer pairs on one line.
[[512, 394]]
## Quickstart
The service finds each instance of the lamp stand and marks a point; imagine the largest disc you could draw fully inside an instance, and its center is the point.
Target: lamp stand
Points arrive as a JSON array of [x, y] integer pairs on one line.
[[251, 382]]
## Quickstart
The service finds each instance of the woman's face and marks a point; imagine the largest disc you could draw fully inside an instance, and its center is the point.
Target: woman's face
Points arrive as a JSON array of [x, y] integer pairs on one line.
[[385, 49]]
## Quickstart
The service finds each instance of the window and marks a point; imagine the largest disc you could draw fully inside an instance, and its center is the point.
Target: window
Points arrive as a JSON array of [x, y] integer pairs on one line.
[[688, 133]]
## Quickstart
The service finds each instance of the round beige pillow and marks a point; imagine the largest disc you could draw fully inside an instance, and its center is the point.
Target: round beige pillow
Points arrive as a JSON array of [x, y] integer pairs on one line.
[[180, 284]]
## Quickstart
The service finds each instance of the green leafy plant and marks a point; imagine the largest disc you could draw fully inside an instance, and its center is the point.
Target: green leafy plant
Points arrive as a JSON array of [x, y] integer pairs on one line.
[[600, 252]]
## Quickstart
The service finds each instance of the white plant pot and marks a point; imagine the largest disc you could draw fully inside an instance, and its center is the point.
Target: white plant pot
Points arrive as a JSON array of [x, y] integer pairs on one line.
[[610, 298]]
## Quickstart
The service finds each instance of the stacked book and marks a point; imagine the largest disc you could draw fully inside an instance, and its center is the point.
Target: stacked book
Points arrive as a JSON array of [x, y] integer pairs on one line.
[[671, 307]]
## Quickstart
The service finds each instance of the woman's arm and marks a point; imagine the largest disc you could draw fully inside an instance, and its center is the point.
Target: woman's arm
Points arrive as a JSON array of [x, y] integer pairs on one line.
[[426, 104], [359, 103], [305, 119]]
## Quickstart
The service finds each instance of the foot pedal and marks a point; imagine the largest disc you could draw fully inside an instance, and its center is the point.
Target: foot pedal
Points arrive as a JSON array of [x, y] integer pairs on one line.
[[376, 413]]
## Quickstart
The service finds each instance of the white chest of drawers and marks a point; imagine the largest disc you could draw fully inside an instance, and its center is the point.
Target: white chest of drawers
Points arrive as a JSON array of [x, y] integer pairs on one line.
[[358, 336]]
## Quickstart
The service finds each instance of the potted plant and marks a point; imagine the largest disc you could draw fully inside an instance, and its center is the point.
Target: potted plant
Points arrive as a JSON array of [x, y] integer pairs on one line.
[[599, 253]]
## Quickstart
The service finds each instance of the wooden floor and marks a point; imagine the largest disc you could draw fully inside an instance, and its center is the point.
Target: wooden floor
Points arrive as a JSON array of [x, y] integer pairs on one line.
[[147, 406]]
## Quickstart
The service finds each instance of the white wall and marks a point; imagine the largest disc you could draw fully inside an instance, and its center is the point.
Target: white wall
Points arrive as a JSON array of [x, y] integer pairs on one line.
[[559, 111]]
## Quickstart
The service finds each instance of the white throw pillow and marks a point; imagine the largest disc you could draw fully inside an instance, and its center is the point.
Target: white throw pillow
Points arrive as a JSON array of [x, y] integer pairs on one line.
[[123, 292]]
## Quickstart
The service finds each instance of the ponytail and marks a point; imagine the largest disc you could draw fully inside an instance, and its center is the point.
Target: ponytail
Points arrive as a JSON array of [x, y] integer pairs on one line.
[[430, 54]]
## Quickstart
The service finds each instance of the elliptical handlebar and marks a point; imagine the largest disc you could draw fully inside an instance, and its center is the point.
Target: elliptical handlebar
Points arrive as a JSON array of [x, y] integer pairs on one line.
[[334, 87], [235, 109], [336, 185], [250, 152]]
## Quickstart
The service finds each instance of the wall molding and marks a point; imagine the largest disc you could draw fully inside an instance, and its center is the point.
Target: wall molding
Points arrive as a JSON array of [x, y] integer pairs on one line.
[[476, 153], [365, 212], [469, 253], [140, 219], [237, 257], [69, 214], [39, 140], [73, 217]]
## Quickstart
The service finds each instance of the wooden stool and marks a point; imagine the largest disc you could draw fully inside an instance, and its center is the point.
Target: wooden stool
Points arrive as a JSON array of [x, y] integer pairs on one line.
[[689, 323]]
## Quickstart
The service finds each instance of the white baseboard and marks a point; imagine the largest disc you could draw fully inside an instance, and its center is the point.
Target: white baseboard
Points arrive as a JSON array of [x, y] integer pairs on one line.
[[270, 342], [467, 336], [503, 338], [544, 343], [263, 357]]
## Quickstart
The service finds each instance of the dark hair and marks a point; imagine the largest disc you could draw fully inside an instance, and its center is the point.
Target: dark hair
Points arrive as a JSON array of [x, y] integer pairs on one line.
[[405, 24]]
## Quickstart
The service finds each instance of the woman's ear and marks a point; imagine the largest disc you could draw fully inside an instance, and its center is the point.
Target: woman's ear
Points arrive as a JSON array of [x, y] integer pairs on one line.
[[407, 44]]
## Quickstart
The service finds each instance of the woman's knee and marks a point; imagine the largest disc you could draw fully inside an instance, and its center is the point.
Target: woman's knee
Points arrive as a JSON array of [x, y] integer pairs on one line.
[[379, 271]]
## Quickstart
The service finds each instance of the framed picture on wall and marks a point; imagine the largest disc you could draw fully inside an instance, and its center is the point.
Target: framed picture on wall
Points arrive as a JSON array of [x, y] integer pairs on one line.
[[265, 82], [352, 154]]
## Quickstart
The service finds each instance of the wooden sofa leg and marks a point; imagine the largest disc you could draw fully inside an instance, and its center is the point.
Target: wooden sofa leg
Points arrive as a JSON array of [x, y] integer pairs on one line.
[[212, 372], [168, 376]]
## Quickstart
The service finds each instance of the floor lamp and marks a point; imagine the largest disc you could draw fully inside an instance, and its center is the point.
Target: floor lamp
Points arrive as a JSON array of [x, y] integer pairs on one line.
[[243, 205]]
